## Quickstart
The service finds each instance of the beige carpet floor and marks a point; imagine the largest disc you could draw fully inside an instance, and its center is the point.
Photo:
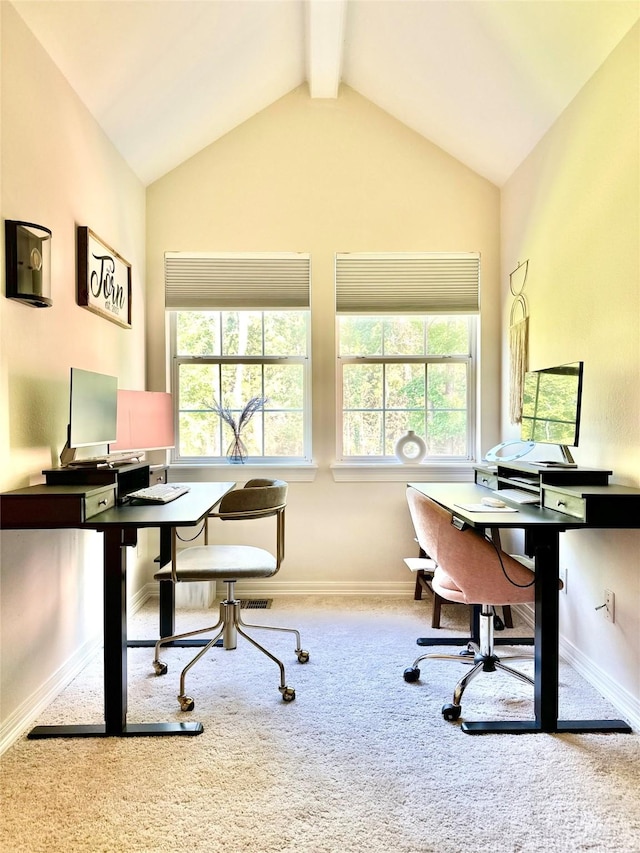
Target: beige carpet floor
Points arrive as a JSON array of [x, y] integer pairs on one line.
[[360, 762]]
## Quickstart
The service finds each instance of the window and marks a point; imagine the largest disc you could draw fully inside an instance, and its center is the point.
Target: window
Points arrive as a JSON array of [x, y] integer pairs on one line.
[[228, 355], [400, 373], [400, 368]]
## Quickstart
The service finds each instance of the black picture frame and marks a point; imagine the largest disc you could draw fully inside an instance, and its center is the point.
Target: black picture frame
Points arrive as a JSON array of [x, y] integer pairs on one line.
[[104, 279], [28, 263]]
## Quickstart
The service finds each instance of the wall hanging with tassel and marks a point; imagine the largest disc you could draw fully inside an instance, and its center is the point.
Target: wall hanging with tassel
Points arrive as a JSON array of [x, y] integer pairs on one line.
[[518, 340]]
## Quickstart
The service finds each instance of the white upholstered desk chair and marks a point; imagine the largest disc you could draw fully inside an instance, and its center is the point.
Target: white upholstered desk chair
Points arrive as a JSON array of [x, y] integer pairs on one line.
[[230, 563], [472, 570]]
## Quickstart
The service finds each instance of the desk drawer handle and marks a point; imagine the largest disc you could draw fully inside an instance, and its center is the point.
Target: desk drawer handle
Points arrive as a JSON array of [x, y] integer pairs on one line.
[[560, 503], [103, 502]]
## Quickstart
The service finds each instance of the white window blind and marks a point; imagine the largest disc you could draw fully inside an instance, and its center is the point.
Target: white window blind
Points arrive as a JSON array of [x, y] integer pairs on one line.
[[235, 281], [407, 283]]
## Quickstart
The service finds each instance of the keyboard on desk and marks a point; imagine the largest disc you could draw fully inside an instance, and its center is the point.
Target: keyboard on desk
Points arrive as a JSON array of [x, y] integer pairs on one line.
[[161, 493], [517, 496]]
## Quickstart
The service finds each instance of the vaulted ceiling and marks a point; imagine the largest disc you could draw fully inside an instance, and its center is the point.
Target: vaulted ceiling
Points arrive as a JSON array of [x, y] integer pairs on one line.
[[483, 79]]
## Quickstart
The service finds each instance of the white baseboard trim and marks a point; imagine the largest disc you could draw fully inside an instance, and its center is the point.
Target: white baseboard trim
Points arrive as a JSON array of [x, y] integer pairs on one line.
[[271, 589], [626, 704], [26, 714], [142, 596]]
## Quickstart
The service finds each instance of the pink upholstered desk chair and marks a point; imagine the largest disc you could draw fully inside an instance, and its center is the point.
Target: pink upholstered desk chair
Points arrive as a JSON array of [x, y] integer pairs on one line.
[[472, 570]]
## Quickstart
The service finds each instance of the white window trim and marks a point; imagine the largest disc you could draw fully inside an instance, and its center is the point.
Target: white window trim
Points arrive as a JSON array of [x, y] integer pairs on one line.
[[453, 463], [186, 462], [397, 472], [223, 472]]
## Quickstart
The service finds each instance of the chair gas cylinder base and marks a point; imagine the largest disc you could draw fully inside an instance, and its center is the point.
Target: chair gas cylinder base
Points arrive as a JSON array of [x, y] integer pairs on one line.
[[481, 658], [231, 563]]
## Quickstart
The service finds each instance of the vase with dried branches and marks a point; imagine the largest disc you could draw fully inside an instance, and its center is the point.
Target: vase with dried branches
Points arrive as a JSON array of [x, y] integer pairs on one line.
[[237, 451]]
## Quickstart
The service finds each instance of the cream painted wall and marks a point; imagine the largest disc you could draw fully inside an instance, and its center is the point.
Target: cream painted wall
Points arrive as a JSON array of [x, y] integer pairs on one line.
[[325, 176], [58, 169], [573, 209]]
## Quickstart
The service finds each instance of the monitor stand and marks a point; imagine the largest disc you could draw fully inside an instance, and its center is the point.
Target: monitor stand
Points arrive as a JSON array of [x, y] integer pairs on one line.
[[566, 454], [567, 460], [68, 455]]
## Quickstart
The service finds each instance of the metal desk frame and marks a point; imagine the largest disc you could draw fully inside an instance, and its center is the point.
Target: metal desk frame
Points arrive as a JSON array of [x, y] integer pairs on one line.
[[119, 527], [542, 528]]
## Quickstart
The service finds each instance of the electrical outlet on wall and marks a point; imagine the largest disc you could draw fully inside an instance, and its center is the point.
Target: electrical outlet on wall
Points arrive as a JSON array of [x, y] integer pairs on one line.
[[563, 577], [610, 606]]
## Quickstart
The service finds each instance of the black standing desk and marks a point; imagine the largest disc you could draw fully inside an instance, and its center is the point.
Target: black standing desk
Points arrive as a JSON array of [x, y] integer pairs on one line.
[[119, 526], [542, 528]]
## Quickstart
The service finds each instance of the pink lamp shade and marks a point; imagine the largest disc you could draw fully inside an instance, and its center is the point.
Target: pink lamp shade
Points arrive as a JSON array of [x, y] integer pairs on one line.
[[145, 421]]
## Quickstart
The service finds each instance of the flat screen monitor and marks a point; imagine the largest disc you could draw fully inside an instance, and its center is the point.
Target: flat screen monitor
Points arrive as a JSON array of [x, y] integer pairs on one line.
[[551, 404], [145, 421], [93, 408]]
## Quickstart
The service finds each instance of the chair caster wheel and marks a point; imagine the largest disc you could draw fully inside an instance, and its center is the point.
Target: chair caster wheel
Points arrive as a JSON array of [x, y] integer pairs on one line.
[[186, 703], [288, 694], [411, 673], [160, 667], [303, 656], [451, 712]]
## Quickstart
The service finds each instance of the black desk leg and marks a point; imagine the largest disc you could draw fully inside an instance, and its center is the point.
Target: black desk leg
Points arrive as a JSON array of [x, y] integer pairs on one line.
[[546, 552], [115, 656], [167, 606], [115, 631], [167, 594], [546, 548], [547, 644]]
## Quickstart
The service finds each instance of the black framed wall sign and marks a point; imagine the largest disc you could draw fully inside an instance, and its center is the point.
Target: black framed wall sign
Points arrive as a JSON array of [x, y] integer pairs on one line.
[[104, 279], [28, 263]]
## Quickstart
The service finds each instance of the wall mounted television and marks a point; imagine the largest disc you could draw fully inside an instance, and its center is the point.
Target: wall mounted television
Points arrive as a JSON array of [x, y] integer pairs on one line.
[[551, 407], [93, 408]]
